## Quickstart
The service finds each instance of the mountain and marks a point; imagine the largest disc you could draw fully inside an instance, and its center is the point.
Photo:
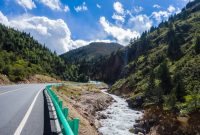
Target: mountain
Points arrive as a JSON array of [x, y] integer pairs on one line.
[[160, 73], [21, 57], [89, 52], [163, 66], [161, 69]]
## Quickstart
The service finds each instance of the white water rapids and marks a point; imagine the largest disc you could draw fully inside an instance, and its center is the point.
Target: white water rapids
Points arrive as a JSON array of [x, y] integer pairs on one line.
[[120, 118]]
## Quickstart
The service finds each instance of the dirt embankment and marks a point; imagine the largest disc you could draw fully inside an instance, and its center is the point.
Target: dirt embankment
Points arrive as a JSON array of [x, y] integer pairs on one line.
[[40, 79], [83, 101], [157, 121], [4, 80]]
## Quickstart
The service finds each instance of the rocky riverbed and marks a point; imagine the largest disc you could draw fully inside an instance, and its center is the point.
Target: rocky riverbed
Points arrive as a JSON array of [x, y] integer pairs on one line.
[[100, 113], [118, 118], [83, 101]]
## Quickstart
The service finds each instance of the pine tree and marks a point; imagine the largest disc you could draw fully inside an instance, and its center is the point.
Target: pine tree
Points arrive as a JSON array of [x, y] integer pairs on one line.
[[197, 45], [165, 78], [174, 51], [179, 89], [151, 86]]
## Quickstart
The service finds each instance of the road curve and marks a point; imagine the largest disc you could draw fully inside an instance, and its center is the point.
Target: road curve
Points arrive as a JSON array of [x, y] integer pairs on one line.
[[22, 110]]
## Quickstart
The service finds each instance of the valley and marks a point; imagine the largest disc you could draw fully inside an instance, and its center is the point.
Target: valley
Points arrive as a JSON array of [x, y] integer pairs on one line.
[[149, 86]]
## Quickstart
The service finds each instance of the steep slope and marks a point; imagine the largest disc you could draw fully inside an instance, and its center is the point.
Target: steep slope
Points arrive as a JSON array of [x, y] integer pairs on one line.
[[92, 51], [160, 72], [21, 56], [164, 64], [85, 57], [161, 68]]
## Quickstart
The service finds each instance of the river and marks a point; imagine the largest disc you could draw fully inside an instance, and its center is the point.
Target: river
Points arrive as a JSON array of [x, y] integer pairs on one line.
[[120, 118]]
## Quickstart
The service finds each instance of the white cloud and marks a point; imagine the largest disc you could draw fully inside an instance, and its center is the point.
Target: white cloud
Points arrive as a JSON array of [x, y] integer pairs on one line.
[[98, 6], [138, 9], [171, 9], [66, 8], [164, 15], [3, 19], [82, 7], [178, 10], [55, 34], [27, 4], [160, 15], [119, 18], [118, 7], [121, 35], [52, 4], [119, 14], [140, 23], [156, 6]]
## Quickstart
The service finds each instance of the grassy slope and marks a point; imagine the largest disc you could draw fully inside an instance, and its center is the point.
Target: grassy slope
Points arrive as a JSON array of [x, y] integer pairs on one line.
[[135, 83]]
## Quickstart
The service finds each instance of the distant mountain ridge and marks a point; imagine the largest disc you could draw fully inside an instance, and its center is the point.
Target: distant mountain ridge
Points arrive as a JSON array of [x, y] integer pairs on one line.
[[92, 51]]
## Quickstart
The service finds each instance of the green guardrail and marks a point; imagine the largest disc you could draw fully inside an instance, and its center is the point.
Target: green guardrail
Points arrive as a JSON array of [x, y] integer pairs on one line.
[[68, 126]]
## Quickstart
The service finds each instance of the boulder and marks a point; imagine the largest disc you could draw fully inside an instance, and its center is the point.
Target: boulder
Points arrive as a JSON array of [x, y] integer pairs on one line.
[[101, 116], [136, 103], [137, 130]]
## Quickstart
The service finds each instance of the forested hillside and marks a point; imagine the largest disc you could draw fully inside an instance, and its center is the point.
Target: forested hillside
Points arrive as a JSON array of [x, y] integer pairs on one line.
[[164, 64], [21, 56], [85, 57], [90, 52], [162, 67]]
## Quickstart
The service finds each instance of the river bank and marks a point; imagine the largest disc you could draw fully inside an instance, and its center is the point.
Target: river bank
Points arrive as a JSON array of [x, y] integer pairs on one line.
[[100, 113], [83, 101], [119, 117]]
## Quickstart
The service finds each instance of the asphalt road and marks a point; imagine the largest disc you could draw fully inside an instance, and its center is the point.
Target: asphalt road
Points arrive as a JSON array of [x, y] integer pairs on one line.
[[22, 110]]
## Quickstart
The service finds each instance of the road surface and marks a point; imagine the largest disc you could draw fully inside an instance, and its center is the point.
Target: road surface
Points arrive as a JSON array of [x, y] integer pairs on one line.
[[23, 110]]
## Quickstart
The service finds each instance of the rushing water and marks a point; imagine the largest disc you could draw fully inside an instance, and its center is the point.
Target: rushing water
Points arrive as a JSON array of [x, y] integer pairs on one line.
[[120, 118]]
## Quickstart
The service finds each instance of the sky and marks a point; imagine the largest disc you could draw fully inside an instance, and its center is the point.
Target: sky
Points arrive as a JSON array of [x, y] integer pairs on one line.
[[63, 25]]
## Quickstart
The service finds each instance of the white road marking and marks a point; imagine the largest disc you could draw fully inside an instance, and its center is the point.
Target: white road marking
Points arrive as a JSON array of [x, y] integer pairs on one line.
[[11, 91], [24, 120]]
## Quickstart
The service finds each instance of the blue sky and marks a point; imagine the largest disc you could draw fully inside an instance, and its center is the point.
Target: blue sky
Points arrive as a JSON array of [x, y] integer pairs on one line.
[[63, 25]]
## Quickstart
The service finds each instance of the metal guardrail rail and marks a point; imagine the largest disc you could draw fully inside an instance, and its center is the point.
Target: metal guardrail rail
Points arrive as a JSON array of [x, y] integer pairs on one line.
[[68, 126]]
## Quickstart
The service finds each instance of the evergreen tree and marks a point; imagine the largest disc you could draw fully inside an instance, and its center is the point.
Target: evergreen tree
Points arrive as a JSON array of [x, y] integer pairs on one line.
[[165, 78], [179, 89], [173, 51], [197, 45], [151, 86]]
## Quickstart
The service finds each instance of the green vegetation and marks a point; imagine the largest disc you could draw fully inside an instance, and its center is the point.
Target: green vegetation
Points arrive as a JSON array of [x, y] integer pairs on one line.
[[89, 52], [169, 65], [21, 56], [197, 45], [160, 68], [85, 58]]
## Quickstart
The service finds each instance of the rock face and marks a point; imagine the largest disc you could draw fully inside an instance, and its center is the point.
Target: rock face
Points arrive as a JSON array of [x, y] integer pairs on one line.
[[143, 126], [136, 103]]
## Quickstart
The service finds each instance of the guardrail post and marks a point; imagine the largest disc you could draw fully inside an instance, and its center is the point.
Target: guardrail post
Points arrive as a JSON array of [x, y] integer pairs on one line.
[[60, 104], [66, 112], [75, 126]]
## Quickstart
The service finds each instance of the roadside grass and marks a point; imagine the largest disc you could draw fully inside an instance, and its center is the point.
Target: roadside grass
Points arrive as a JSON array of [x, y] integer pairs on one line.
[[76, 89]]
